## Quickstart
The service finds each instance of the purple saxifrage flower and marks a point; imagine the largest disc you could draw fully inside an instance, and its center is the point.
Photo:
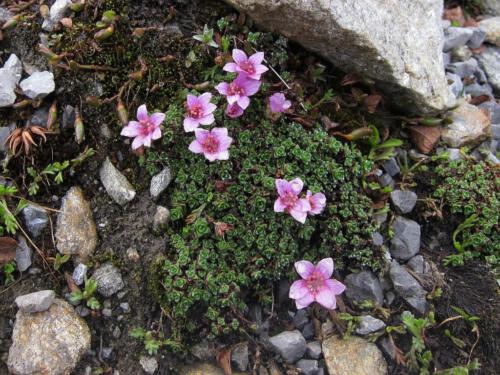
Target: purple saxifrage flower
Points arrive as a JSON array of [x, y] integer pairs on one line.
[[251, 66], [146, 129], [239, 90], [234, 110], [214, 144], [289, 201], [317, 202], [278, 103], [199, 111], [316, 284]]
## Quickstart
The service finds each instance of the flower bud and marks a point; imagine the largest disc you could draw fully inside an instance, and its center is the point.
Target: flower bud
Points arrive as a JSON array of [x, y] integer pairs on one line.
[[105, 33]]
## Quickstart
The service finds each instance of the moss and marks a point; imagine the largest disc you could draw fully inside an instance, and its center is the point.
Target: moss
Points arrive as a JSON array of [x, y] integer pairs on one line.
[[467, 188], [205, 275]]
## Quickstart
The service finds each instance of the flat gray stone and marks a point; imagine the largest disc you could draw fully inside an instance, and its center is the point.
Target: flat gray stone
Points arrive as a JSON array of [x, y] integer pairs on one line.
[[35, 218], [462, 53], [36, 302], [9, 78], [477, 38], [456, 85], [368, 324], [291, 345], [364, 286], [403, 200], [353, 356], [463, 69], [53, 340], [406, 240], [489, 61], [76, 233], [476, 89], [161, 217], [491, 27], [79, 273], [470, 126], [455, 37], [308, 366], [23, 254], [109, 280], [391, 166], [160, 182], [116, 184], [494, 110], [492, 7], [408, 288], [313, 349], [38, 85], [239, 357], [397, 43]]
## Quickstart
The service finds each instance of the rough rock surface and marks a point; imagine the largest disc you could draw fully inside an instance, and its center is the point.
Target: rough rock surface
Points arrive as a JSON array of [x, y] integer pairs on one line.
[[204, 369], [492, 7], [490, 62], [406, 241], [35, 218], [109, 280], [368, 324], [491, 26], [408, 288], [403, 200], [38, 85], [160, 182], [398, 43], [354, 356], [53, 340], [364, 286], [57, 11], [76, 233], [10, 75], [470, 126], [35, 302], [23, 254], [291, 345], [116, 183]]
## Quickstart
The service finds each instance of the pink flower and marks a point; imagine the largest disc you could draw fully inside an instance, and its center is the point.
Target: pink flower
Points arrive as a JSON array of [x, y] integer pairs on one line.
[[251, 66], [278, 103], [239, 90], [234, 110], [199, 111], [317, 202], [289, 200], [316, 284], [214, 144], [146, 129]]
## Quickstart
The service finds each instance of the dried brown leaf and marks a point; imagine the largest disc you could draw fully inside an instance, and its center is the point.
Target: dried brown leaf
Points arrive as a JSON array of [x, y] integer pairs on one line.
[[224, 360], [350, 79], [71, 283], [371, 102], [425, 138], [479, 99], [67, 22], [8, 248]]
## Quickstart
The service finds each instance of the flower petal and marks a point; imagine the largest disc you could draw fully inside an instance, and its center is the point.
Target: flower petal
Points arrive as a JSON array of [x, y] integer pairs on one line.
[[244, 102], [304, 268], [138, 142], [296, 185], [222, 88], [304, 301], [239, 56], [195, 147], [156, 134], [326, 298], [210, 108], [282, 186], [205, 98], [220, 132], [325, 267], [230, 67], [299, 215], [157, 118], [207, 120], [256, 58], [298, 289], [335, 286], [190, 124], [279, 206], [142, 113], [131, 130], [222, 155], [147, 141], [251, 87], [191, 100]]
